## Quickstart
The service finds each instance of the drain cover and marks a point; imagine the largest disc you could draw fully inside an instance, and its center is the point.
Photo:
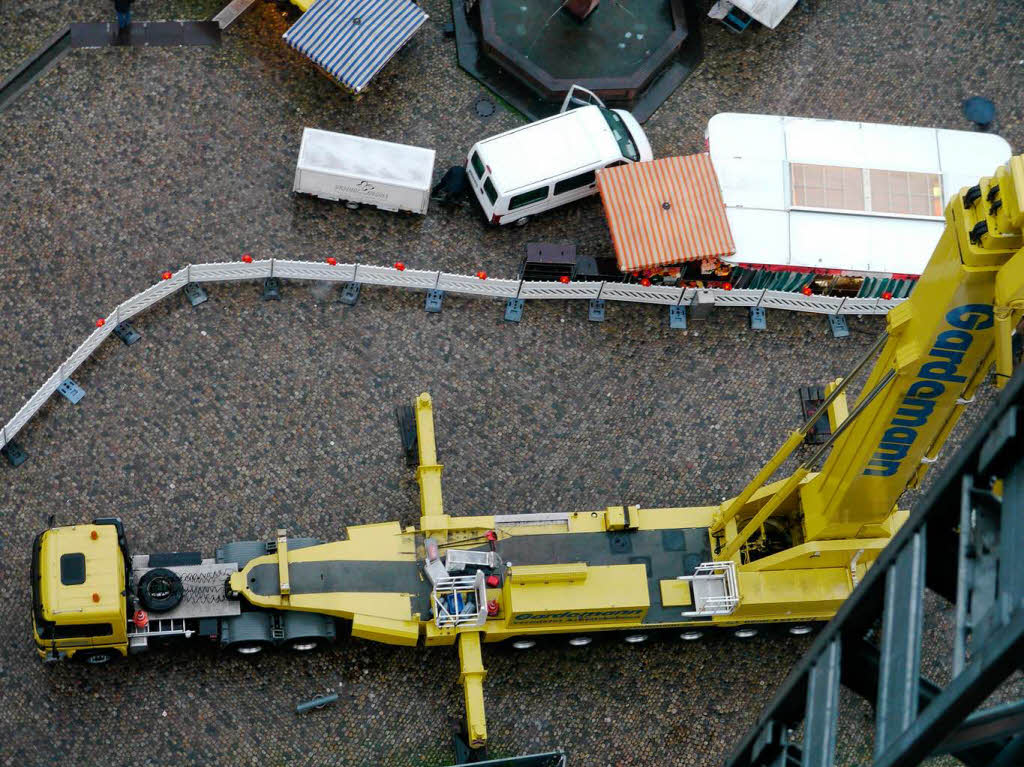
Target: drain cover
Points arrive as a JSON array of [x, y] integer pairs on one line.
[[484, 107]]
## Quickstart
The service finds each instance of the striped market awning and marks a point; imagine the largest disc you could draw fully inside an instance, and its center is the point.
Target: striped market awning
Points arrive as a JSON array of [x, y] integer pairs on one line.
[[352, 40], [665, 212]]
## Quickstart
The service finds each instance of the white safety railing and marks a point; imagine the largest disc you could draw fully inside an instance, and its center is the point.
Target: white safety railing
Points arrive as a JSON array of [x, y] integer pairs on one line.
[[415, 279]]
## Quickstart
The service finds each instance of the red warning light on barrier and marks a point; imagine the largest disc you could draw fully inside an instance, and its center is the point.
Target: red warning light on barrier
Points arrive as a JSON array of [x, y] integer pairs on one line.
[[247, 258], [887, 295], [100, 322], [645, 282], [564, 279], [482, 274], [806, 290], [332, 261], [399, 266], [727, 286], [166, 276], [140, 619]]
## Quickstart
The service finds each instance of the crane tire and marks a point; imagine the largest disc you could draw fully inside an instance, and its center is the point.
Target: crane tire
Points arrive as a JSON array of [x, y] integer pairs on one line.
[[160, 590]]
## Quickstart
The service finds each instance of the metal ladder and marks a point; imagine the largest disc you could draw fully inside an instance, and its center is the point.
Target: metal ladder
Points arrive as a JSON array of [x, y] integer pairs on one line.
[[964, 519]]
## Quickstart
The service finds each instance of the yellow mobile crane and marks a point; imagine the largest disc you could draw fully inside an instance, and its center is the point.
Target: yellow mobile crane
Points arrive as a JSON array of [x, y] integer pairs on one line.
[[784, 553]]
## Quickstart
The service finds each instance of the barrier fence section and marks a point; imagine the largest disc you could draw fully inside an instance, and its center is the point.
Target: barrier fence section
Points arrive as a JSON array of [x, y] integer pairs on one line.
[[415, 279]]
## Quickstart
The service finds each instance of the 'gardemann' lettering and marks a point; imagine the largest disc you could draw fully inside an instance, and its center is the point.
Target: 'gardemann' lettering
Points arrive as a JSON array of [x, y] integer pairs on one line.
[[941, 369]]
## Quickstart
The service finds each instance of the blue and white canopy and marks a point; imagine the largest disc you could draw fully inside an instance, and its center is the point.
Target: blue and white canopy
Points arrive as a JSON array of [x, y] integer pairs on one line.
[[353, 39]]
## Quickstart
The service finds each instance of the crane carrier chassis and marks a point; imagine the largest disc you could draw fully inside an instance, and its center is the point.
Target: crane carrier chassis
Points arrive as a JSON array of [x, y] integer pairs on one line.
[[784, 552]]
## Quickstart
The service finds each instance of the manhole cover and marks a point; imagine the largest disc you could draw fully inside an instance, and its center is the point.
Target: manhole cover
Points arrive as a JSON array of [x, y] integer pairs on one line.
[[484, 107]]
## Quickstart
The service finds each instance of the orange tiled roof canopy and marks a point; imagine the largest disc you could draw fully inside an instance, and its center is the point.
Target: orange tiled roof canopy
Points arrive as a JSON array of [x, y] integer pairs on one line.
[[665, 212]]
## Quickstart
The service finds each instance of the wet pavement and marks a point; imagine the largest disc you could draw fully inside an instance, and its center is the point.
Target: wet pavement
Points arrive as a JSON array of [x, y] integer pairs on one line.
[[239, 416]]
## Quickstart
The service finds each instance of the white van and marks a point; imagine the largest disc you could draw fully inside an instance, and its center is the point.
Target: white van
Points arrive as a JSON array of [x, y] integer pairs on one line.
[[528, 170]]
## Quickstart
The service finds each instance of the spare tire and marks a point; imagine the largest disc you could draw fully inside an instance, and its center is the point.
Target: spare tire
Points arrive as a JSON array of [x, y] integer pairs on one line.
[[160, 590]]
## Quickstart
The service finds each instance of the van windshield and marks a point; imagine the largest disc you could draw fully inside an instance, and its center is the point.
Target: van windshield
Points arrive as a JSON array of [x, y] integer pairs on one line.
[[625, 141]]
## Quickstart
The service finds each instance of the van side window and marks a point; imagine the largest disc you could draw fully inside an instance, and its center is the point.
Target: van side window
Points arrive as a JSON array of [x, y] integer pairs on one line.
[[527, 198], [492, 193], [574, 182], [478, 165]]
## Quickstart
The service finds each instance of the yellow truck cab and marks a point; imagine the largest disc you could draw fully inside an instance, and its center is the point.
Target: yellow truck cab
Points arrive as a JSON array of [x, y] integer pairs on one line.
[[79, 603]]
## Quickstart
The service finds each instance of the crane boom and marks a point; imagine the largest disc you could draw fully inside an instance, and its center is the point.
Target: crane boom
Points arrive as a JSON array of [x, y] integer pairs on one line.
[[941, 345]]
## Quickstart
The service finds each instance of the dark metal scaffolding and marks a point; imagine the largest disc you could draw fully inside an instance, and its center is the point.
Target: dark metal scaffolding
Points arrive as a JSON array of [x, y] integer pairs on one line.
[[965, 541]]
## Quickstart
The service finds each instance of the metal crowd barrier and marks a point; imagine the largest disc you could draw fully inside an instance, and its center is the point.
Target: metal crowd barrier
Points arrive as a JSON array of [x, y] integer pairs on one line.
[[398, 276]]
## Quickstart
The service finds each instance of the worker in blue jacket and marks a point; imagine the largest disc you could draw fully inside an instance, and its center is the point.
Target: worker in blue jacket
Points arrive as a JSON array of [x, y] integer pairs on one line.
[[124, 13]]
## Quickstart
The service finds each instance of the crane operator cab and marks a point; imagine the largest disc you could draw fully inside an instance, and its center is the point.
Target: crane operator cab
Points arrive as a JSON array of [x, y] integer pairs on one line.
[[79, 602]]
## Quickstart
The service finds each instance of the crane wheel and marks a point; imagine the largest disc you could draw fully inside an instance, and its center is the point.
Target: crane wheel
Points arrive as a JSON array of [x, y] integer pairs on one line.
[[800, 629], [524, 644], [248, 648], [691, 636], [580, 641], [635, 638], [745, 632], [304, 644], [160, 590], [97, 657]]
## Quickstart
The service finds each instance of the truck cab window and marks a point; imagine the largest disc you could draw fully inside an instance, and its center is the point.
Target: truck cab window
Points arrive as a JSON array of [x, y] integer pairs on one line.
[[528, 198], [72, 569]]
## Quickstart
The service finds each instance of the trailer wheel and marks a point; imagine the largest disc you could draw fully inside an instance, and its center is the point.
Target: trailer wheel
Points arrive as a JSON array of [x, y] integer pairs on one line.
[[160, 590], [304, 644], [97, 657]]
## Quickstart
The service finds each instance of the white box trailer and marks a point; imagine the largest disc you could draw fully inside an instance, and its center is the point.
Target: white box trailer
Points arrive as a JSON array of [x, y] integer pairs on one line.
[[364, 171]]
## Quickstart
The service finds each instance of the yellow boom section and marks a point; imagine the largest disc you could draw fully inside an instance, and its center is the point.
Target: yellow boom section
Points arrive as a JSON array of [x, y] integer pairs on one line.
[[941, 344]]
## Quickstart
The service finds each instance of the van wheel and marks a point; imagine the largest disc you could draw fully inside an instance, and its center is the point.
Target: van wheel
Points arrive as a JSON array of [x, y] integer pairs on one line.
[[522, 221], [97, 657], [352, 205]]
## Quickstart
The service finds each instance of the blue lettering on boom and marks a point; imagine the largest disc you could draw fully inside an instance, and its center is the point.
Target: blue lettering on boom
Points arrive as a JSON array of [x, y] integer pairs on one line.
[[942, 368]]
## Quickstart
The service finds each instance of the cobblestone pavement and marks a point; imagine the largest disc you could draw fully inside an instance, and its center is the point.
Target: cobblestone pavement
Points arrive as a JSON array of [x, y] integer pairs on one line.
[[230, 419]]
